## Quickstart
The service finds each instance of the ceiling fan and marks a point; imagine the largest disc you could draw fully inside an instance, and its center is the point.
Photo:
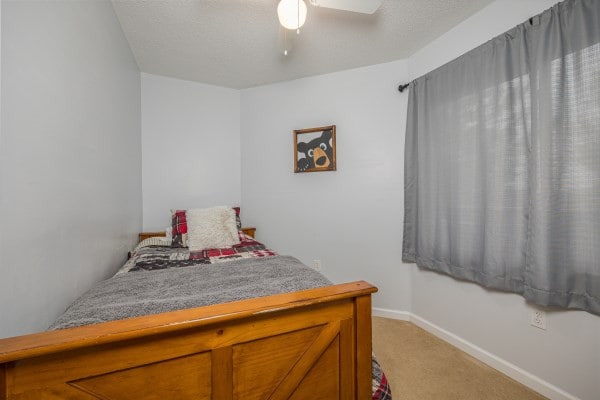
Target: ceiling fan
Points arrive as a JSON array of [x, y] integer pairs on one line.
[[292, 13], [359, 6]]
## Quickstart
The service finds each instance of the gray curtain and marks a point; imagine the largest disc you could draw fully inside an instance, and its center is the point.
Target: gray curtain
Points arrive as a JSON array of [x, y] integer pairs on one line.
[[502, 161]]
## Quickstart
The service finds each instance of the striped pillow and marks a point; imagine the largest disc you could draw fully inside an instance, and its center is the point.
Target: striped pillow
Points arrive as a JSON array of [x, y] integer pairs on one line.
[[153, 241]]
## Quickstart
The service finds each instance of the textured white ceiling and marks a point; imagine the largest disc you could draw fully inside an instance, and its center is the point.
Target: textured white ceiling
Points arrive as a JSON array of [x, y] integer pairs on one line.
[[239, 43]]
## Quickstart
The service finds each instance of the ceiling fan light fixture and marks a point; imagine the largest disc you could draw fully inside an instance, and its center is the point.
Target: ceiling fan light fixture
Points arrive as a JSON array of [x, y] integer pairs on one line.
[[291, 13]]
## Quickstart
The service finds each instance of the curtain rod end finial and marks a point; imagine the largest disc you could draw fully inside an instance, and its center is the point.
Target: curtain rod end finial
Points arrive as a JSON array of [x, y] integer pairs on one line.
[[401, 88]]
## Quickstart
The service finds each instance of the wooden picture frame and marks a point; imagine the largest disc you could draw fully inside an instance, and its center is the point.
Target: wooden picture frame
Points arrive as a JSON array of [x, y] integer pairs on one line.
[[314, 149]]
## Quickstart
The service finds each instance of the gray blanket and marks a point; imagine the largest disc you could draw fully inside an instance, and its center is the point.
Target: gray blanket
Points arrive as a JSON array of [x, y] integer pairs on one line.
[[151, 292]]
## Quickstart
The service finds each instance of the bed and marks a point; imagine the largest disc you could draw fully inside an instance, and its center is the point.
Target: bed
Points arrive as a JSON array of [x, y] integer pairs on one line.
[[171, 325]]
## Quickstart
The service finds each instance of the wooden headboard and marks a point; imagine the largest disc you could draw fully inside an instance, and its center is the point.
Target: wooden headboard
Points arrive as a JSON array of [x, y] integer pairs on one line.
[[145, 235]]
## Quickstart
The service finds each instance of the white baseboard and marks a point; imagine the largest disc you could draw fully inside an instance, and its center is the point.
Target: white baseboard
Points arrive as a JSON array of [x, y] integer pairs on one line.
[[520, 375], [392, 314]]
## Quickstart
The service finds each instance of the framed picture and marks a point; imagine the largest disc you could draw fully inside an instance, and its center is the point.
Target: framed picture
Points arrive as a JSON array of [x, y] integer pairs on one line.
[[314, 149]]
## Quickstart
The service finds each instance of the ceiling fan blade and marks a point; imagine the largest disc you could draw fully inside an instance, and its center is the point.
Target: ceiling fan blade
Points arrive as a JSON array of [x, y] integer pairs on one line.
[[359, 6]]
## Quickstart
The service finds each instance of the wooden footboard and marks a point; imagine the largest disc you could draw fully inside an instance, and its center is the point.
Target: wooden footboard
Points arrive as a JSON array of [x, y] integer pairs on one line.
[[313, 344]]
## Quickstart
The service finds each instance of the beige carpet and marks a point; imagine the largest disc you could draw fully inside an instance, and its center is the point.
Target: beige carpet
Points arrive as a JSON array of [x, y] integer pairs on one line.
[[419, 366]]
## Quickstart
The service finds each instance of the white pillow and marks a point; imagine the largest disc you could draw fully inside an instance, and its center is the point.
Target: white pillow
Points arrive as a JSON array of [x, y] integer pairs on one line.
[[210, 228]]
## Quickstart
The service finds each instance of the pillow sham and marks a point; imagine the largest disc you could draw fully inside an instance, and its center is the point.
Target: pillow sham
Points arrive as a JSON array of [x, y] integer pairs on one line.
[[179, 226], [211, 228], [238, 220]]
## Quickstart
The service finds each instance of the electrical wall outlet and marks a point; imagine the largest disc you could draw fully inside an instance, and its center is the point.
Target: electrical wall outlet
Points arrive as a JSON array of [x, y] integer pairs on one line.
[[538, 319], [317, 265]]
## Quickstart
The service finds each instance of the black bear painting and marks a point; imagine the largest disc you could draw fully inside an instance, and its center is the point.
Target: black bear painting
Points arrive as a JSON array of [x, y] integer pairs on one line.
[[315, 149]]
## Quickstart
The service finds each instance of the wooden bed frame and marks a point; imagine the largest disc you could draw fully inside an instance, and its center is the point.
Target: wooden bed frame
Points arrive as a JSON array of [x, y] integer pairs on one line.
[[312, 344], [250, 231]]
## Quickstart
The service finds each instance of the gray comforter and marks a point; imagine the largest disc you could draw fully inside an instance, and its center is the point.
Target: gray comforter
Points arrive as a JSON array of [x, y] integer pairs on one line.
[[151, 292]]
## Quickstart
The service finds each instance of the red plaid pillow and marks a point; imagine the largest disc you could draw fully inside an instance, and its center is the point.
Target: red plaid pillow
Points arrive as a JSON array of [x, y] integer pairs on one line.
[[238, 220], [179, 226]]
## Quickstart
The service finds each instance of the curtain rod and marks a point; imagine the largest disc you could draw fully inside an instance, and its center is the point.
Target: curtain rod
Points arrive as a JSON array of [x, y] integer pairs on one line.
[[535, 20]]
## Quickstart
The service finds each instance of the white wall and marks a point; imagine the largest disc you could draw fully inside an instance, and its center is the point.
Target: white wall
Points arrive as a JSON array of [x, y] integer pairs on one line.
[[190, 147], [0, 88], [70, 158], [568, 353], [351, 218]]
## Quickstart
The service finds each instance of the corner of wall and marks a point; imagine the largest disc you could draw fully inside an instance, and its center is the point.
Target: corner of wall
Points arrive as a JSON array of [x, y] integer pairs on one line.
[[61, 155]]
